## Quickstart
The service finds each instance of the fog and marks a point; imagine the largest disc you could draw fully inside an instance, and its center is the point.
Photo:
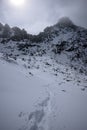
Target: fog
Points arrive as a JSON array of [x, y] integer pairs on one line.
[[35, 15]]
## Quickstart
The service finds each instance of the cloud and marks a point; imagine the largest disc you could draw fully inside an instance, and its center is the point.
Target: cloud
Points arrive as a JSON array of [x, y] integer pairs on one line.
[[37, 14]]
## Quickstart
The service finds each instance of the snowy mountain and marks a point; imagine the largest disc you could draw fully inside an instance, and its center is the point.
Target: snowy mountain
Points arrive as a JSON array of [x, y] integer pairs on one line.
[[61, 40], [43, 78]]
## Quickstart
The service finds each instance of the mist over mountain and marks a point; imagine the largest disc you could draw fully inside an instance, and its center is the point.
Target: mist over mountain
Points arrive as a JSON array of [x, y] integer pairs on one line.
[[17, 34], [64, 25]]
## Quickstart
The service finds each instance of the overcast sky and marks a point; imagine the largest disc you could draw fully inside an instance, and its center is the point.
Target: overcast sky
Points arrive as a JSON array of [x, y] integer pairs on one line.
[[35, 15]]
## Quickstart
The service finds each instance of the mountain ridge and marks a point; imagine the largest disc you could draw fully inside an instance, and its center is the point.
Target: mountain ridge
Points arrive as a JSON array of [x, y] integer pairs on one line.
[[63, 39], [15, 33]]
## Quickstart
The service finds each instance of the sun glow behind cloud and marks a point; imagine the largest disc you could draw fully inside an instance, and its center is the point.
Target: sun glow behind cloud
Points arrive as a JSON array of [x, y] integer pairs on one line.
[[35, 15], [17, 3]]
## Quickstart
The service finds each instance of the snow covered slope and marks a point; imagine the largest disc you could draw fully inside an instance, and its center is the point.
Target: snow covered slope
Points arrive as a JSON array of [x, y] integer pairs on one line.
[[41, 94], [43, 80], [19, 92]]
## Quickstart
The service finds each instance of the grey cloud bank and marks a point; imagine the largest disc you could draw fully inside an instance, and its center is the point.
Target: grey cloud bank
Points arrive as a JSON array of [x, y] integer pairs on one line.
[[37, 14]]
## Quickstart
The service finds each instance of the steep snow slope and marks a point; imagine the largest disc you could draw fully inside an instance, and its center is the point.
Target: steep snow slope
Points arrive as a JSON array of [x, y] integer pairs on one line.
[[41, 94]]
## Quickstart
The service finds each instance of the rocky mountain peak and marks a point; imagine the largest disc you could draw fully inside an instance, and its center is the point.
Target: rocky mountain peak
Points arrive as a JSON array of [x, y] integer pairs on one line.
[[65, 22]]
